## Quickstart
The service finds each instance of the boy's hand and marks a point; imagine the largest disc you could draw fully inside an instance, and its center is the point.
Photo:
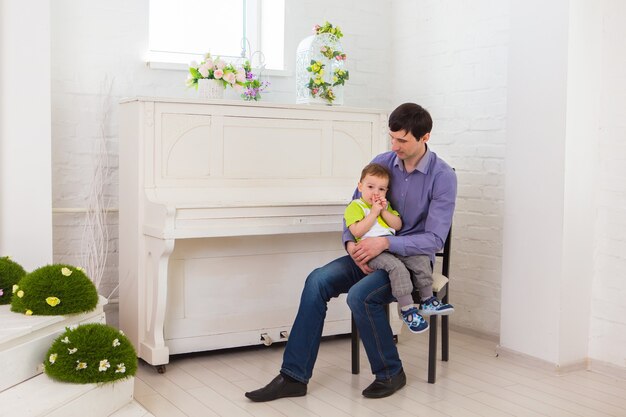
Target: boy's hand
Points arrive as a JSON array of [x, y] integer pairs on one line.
[[383, 202], [378, 205]]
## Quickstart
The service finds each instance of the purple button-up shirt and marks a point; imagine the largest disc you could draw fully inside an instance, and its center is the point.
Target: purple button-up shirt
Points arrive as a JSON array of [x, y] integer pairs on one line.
[[425, 200]]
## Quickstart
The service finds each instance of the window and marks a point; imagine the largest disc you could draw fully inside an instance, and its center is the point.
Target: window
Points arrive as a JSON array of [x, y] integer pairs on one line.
[[183, 30]]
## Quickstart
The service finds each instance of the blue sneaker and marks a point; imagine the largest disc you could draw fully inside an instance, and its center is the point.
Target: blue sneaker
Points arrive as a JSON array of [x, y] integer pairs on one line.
[[414, 321], [434, 307]]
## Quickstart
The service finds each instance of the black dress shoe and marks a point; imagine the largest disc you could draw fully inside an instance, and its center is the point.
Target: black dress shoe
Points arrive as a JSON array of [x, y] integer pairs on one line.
[[386, 387], [280, 387]]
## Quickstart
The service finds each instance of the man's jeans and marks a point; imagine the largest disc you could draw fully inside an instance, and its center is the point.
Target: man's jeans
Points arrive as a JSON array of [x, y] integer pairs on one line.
[[367, 297]]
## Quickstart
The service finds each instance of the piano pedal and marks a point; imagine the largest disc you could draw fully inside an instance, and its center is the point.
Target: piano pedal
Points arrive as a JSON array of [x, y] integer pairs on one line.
[[284, 335], [266, 339]]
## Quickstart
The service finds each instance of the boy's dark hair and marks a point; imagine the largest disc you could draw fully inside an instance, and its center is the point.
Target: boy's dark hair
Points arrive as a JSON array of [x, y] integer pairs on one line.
[[412, 118], [376, 170]]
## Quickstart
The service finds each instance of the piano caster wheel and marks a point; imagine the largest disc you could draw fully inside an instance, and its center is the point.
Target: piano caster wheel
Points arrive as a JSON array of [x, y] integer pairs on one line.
[[395, 339], [160, 369]]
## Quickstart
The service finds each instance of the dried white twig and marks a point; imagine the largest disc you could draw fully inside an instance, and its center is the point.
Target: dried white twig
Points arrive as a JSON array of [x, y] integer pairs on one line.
[[95, 239]]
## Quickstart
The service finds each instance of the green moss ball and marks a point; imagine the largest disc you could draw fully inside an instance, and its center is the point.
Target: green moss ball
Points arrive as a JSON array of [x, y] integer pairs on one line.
[[55, 290], [91, 353], [10, 274]]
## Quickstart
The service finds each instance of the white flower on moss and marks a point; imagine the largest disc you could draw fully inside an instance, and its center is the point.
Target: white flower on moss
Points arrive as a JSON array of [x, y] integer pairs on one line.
[[20, 293], [65, 340], [80, 365], [72, 350], [121, 368], [122, 333], [29, 312], [116, 342], [72, 327], [66, 271], [104, 365], [15, 287], [52, 358], [79, 268]]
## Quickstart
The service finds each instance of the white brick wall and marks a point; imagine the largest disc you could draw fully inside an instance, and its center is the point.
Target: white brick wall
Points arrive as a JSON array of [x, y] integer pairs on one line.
[[608, 321], [451, 57], [97, 44]]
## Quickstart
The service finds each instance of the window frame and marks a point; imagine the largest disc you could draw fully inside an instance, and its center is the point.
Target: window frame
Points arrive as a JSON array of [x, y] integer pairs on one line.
[[169, 60]]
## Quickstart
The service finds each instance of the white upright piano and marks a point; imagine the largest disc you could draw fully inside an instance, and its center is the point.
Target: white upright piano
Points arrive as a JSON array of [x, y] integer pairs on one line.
[[225, 208]]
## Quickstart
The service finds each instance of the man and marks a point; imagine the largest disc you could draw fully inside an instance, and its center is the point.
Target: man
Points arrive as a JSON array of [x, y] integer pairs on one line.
[[423, 190]]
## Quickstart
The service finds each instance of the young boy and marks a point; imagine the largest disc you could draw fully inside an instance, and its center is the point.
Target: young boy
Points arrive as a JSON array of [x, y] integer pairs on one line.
[[372, 216]]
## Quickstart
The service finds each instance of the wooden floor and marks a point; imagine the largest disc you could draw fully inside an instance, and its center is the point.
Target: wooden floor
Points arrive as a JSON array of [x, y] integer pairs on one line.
[[473, 383]]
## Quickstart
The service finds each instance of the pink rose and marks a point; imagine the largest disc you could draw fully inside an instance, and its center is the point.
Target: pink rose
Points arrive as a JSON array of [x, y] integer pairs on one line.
[[218, 74], [204, 70], [229, 77], [241, 75]]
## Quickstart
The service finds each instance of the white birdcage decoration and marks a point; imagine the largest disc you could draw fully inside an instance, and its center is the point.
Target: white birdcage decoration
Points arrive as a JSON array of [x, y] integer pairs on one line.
[[324, 49]]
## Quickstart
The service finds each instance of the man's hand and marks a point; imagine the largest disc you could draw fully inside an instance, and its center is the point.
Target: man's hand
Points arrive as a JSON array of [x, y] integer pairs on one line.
[[368, 249], [351, 247]]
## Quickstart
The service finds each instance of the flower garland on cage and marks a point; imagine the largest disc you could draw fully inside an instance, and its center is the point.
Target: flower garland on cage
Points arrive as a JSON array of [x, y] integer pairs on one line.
[[317, 85]]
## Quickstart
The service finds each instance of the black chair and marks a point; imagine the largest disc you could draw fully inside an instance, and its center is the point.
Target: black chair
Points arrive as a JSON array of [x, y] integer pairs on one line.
[[441, 288]]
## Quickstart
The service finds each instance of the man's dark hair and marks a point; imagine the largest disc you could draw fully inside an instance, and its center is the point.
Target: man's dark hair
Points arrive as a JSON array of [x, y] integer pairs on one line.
[[412, 118]]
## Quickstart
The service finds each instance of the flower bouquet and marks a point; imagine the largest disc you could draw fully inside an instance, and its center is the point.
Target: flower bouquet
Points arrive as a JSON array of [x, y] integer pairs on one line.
[[215, 74], [253, 86]]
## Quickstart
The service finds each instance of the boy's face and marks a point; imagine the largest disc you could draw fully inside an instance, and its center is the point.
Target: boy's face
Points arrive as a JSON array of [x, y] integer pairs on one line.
[[372, 186]]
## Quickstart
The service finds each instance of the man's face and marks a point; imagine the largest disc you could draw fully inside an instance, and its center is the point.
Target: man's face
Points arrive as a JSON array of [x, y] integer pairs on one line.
[[405, 145]]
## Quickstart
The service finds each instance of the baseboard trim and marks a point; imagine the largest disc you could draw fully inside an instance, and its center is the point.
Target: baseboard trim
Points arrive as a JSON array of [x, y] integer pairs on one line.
[[607, 368], [558, 369], [475, 333], [586, 364], [541, 363]]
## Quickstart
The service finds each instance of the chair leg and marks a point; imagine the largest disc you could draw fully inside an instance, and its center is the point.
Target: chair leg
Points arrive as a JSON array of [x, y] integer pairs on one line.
[[445, 342], [356, 360], [445, 347], [432, 350]]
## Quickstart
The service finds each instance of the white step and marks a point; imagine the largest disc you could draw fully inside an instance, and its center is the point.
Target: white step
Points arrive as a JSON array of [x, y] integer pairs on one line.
[[24, 340], [41, 396], [132, 409]]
